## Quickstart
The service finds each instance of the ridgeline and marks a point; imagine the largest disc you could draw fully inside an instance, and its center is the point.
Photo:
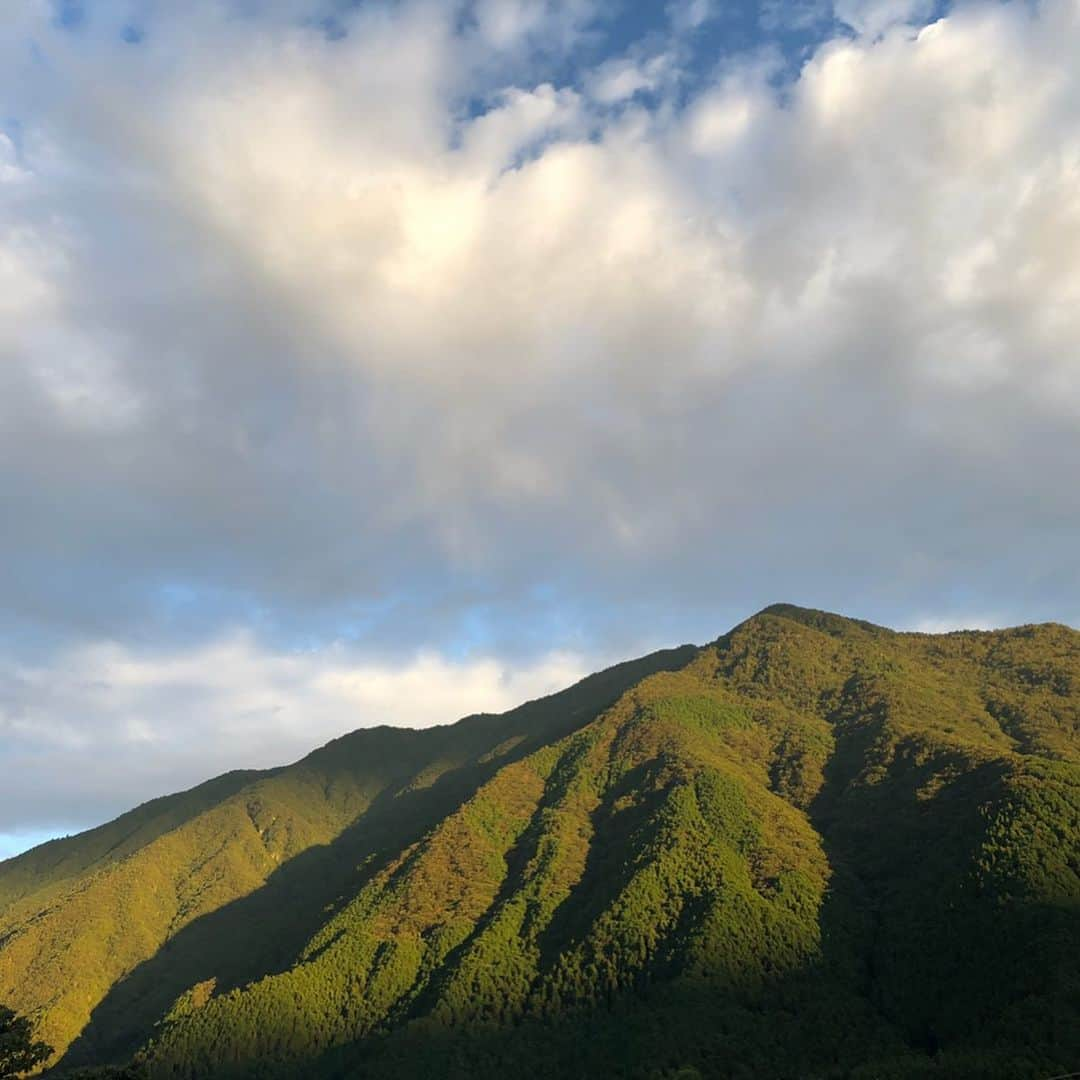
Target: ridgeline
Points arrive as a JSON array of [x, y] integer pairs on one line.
[[813, 848]]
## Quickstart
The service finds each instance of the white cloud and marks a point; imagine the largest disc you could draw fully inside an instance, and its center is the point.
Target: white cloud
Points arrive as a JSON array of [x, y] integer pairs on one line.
[[687, 15], [121, 725], [10, 171], [512, 25], [946, 624], [720, 119], [620, 79]]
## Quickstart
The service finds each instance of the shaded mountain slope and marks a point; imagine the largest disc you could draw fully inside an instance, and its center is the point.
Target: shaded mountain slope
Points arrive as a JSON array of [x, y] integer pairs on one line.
[[813, 848]]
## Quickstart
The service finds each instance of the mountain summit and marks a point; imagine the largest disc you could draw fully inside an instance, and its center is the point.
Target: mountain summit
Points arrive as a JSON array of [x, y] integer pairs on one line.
[[813, 848]]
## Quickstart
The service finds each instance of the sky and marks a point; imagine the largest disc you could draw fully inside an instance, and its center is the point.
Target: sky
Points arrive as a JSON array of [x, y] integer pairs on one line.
[[387, 361]]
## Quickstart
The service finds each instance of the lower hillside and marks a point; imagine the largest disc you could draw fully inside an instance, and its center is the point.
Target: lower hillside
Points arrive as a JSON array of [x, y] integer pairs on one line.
[[815, 848]]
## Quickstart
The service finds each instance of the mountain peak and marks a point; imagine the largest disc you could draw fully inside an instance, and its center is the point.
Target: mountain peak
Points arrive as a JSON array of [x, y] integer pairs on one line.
[[827, 621]]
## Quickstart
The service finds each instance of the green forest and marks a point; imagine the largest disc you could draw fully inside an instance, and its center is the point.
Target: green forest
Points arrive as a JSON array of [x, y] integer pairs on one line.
[[815, 848]]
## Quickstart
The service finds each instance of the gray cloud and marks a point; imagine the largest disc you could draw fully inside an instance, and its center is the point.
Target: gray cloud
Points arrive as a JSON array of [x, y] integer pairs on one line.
[[293, 337]]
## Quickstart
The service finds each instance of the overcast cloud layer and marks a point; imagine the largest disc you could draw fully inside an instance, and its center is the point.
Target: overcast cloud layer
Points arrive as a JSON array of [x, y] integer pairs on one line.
[[386, 362]]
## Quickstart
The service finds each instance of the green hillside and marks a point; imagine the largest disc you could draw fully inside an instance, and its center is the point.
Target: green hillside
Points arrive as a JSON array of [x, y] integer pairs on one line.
[[814, 848], [85, 922]]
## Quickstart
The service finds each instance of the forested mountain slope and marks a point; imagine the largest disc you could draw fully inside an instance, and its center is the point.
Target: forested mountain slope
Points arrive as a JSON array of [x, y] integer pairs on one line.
[[813, 848], [264, 853]]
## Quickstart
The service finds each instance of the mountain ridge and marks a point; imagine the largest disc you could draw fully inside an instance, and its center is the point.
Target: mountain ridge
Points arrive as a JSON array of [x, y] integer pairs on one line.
[[800, 822]]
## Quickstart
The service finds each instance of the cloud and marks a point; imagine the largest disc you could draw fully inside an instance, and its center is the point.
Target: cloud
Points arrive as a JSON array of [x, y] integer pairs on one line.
[[514, 25], [871, 18], [122, 725], [688, 15], [933, 624], [451, 326], [619, 79]]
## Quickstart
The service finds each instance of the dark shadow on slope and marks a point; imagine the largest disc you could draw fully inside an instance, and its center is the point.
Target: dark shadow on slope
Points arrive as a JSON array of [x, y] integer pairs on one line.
[[608, 868], [681, 1030], [906, 924], [256, 935], [264, 932], [597, 886], [803, 1025]]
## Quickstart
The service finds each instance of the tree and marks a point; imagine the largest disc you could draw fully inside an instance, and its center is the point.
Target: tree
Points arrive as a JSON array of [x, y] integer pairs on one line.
[[18, 1052]]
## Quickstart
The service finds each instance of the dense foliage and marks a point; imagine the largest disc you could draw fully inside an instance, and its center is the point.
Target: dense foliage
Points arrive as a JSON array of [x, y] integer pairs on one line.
[[814, 848], [19, 1052]]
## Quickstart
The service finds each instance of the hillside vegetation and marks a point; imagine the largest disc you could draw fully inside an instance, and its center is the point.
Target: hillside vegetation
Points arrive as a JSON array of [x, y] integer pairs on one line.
[[813, 848]]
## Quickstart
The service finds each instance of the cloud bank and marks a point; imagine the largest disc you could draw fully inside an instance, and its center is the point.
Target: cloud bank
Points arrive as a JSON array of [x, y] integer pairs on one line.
[[457, 328], [104, 718]]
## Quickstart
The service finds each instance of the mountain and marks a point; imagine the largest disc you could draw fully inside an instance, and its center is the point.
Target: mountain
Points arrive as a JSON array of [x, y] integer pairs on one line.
[[813, 848]]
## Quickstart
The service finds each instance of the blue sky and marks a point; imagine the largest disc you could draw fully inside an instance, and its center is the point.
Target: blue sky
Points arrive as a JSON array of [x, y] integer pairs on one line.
[[383, 362]]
